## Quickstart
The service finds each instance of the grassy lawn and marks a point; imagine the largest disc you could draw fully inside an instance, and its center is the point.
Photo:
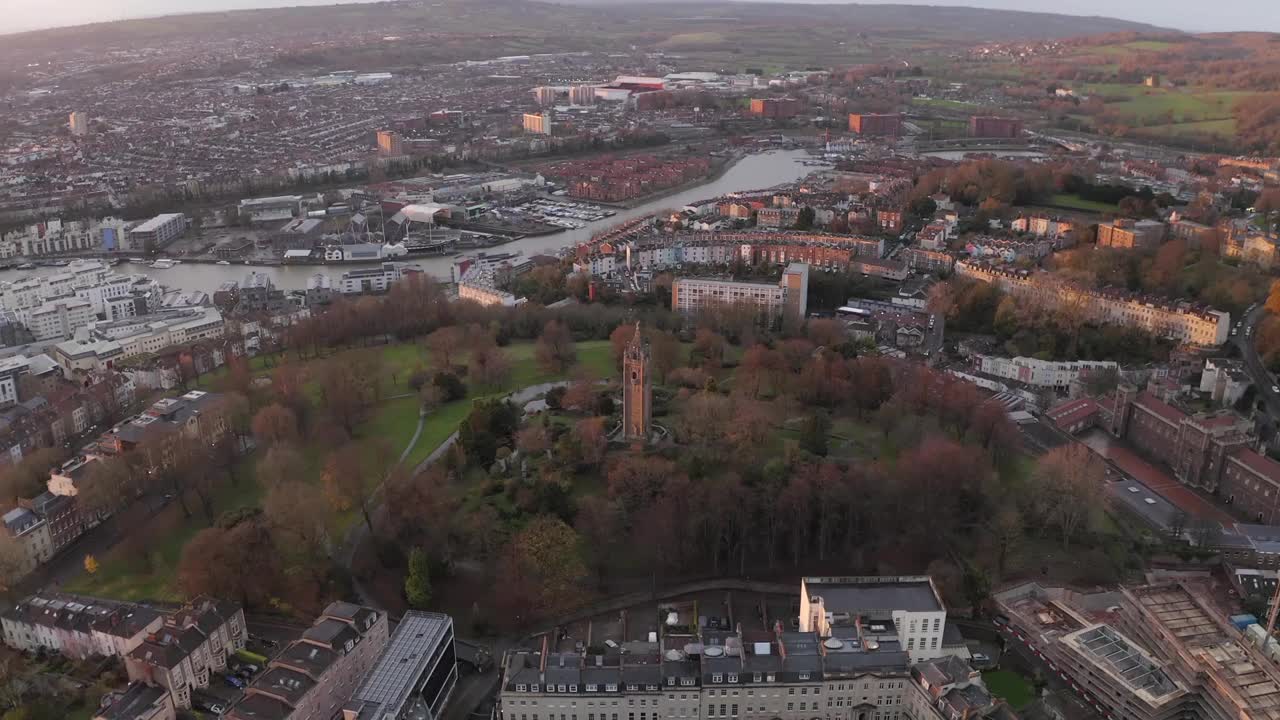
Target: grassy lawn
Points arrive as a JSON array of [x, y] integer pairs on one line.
[[1012, 687], [1075, 202], [124, 576]]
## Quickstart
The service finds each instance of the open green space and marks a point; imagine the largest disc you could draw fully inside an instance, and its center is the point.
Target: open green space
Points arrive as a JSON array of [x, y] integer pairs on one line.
[[129, 574], [1010, 686], [1075, 202]]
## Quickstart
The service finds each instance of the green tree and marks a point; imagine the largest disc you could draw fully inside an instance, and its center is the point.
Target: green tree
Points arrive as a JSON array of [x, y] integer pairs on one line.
[[813, 435], [804, 221], [417, 584]]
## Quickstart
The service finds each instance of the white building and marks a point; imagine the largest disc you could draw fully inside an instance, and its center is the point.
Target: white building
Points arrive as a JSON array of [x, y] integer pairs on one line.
[[911, 602], [78, 123], [479, 284], [1179, 321], [57, 318], [158, 232], [1041, 373], [99, 345], [367, 281], [787, 298]]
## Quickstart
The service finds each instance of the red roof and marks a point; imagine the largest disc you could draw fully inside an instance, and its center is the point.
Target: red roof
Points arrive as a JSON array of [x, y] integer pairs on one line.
[[1264, 466], [1073, 412], [1161, 408]]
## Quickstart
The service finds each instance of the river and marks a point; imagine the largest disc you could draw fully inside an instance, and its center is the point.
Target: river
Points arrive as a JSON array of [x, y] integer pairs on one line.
[[750, 173]]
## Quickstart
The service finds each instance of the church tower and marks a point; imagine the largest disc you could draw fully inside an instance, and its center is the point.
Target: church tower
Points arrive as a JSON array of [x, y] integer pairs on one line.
[[636, 391]]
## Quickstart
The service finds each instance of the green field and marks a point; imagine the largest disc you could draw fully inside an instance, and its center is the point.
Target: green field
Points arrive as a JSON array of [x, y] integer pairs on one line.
[[123, 575], [1075, 202], [1185, 105], [1010, 686]]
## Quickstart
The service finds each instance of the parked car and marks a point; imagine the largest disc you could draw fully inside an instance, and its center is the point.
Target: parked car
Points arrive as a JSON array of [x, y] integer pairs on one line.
[[234, 681]]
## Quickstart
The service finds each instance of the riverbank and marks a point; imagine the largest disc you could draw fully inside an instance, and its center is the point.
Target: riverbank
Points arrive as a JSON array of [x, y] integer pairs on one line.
[[750, 172]]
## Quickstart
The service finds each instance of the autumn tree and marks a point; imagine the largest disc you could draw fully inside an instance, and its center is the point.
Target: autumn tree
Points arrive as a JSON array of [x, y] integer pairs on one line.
[[488, 367], [555, 350], [214, 563], [591, 438], [542, 569], [281, 463], [346, 392], [297, 513], [275, 424], [352, 473], [107, 485], [1069, 483]]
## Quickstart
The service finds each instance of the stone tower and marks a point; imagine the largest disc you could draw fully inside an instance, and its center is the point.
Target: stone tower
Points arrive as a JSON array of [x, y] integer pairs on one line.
[[637, 393]]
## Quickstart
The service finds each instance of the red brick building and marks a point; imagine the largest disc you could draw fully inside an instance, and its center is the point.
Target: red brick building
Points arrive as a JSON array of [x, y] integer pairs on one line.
[[876, 124], [989, 126], [775, 108], [1208, 451]]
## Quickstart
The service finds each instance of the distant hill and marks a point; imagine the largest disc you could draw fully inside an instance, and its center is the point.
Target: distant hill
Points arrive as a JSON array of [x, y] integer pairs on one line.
[[957, 22], [584, 24]]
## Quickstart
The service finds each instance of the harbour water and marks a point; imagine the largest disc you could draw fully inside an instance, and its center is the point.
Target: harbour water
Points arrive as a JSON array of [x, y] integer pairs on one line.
[[751, 173]]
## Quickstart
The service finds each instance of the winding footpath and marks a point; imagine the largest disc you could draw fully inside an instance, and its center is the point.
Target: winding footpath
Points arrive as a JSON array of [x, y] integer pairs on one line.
[[358, 533]]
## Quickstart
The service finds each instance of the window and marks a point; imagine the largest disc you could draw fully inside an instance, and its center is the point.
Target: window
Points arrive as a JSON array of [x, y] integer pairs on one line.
[[755, 677], [522, 688], [611, 687], [717, 677], [593, 687], [735, 710], [791, 706], [733, 677], [560, 688]]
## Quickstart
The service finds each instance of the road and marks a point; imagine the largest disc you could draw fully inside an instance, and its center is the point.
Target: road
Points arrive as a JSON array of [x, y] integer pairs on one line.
[[1245, 340]]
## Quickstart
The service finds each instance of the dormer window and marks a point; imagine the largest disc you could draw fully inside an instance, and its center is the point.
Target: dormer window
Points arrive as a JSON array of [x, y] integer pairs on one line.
[[592, 687], [804, 676], [671, 681], [560, 688], [611, 687], [522, 688], [534, 687], [755, 677], [717, 678], [632, 687], [733, 677], [573, 688], [686, 681], [650, 687], [770, 677]]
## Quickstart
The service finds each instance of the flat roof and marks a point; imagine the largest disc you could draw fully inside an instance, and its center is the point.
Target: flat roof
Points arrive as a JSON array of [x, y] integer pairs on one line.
[[856, 594], [156, 222], [405, 659]]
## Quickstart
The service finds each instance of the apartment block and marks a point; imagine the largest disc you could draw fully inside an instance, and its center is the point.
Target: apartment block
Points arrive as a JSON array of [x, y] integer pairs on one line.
[[987, 126], [537, 123], [787, 298], [159, 231], [1131, 235], [1040, 373], [315, 676], [775, 108], [863, 124], [57, 318], [1184, 322]]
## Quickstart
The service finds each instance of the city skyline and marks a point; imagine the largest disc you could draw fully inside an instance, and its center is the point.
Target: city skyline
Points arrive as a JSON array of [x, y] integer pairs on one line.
[[1247, 15]]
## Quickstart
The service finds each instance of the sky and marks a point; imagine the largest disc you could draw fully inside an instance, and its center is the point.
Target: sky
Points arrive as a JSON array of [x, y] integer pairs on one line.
[[1190, 15]]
